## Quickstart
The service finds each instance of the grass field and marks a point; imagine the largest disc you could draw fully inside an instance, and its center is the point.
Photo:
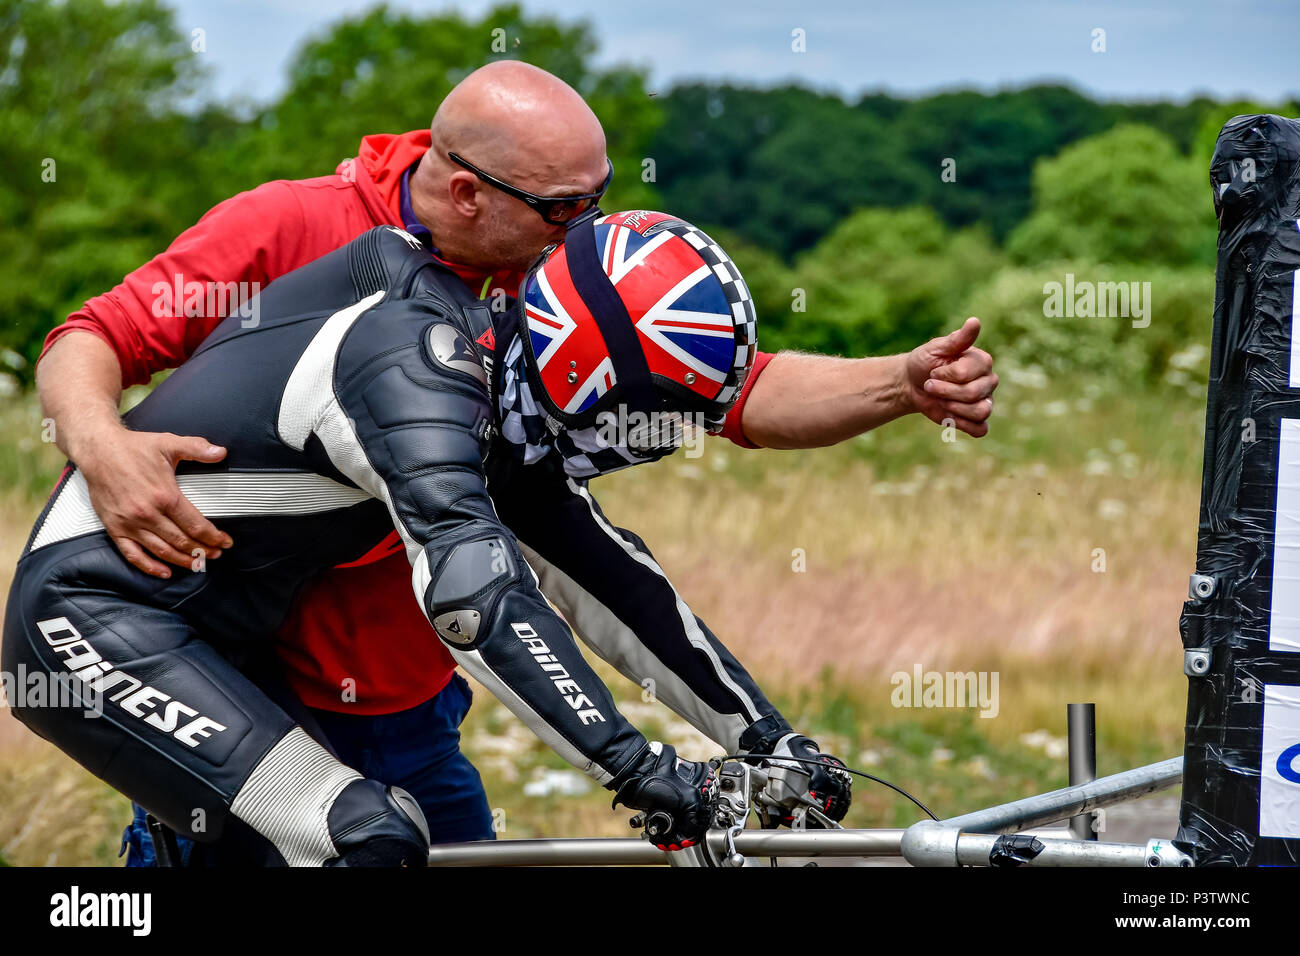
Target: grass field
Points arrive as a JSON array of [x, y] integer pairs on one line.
[[1054, 553]]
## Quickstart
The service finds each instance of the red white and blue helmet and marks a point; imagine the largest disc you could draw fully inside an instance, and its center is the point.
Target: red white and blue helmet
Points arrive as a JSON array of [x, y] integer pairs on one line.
[[641, 309]]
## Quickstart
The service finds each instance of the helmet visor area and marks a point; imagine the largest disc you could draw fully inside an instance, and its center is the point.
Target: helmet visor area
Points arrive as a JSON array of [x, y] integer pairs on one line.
[[662, 434]]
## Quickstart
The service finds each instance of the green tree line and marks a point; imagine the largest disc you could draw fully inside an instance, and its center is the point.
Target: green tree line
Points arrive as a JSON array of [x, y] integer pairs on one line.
[[861, 225]]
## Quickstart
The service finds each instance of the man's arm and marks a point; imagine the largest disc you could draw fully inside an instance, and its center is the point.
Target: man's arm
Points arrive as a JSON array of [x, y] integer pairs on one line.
[[131, 475], [621, 604], [136, 329], [414, 432], [809, 401], [608, 585]]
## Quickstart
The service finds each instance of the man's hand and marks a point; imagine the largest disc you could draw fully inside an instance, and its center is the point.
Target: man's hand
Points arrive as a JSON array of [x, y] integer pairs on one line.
[[830, 786], [132, 481], [131, 475], [809, 401], [949, 379], [678, 796]]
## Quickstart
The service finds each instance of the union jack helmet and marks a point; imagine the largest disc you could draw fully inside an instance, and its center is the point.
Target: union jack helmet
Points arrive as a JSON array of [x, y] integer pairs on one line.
[[636, 308]]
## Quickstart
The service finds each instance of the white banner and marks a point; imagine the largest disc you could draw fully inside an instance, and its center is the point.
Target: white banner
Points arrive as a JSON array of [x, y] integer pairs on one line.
[[1279, 771]]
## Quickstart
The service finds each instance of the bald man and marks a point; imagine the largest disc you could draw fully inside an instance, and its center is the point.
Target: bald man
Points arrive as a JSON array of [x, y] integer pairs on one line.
[[512, 154]]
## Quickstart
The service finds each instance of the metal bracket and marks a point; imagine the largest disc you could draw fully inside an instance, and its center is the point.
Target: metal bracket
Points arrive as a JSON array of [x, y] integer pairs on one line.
[[1196, 661], [1164, 853], [786, 784], [735, 784]]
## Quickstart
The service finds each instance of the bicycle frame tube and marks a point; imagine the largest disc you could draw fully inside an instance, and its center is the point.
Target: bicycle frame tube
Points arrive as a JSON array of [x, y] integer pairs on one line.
[[630, 851]]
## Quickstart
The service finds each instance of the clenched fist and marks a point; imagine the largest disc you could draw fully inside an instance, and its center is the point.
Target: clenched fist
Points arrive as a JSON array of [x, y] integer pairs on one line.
[[951, 379]]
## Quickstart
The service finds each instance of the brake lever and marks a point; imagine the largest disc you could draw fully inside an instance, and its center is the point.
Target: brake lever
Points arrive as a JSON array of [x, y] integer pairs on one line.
[[810, 809]]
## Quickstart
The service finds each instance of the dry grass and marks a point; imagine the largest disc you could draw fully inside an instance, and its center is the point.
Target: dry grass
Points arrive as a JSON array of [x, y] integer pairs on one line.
[[975, 567], [53, 813], [987, 572]]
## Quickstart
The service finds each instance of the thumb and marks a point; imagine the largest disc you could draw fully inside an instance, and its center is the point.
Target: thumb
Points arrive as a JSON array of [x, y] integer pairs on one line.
[[192, 448], [954, 343]]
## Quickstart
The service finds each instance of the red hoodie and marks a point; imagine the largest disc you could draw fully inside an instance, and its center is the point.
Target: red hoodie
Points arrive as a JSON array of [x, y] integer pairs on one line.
[[355, 640]]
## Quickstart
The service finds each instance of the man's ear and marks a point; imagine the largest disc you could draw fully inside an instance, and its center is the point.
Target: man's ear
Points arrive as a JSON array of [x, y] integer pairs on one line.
[[462, 192]]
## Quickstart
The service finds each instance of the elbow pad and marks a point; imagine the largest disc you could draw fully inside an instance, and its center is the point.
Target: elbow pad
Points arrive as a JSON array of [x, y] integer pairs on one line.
[[465, 588]]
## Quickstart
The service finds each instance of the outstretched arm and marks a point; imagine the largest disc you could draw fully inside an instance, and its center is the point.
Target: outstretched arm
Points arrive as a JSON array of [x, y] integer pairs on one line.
[[620, 602], [808, 401]]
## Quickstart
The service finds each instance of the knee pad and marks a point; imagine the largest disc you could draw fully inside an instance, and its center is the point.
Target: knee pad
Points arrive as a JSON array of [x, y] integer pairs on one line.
[[316, 811], [371, 824]]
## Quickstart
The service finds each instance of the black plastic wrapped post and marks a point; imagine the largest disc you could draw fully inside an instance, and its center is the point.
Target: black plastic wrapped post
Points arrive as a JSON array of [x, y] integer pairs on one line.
[[1241, 625]]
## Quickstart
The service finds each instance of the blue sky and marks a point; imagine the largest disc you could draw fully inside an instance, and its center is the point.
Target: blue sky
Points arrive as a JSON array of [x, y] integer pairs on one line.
[[1228, 48]]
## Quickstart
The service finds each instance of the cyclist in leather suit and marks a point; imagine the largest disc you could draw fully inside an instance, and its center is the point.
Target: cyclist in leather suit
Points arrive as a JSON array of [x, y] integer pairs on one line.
[[373, 392]]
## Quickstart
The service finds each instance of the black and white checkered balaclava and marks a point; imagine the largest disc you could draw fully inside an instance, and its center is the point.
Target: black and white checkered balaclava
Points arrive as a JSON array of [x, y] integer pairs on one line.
[[533, 434]]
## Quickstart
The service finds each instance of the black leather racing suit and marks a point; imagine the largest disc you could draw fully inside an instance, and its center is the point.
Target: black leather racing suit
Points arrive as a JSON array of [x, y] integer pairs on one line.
[[356, 401]]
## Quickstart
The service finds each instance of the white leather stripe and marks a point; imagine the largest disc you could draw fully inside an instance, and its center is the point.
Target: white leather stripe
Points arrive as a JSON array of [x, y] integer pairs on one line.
[[473, 662], [216, 495], [310, 388], [69, 516], [338, 437], [287, 798], [309, 406], [617, 644], [692, 628], [421, 578]]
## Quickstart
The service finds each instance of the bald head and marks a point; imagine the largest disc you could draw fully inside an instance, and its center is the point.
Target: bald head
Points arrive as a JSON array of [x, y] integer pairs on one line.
[[524, 125]]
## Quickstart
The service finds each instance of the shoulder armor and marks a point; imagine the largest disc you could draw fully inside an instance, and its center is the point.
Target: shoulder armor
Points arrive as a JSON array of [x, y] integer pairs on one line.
[[448, 348]]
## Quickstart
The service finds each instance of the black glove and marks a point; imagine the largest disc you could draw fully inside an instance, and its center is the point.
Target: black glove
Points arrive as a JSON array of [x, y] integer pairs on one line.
[[678, 796], [831, 786]]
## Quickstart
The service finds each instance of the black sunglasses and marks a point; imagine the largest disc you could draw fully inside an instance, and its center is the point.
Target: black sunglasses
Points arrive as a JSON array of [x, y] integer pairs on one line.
[[557, 210]]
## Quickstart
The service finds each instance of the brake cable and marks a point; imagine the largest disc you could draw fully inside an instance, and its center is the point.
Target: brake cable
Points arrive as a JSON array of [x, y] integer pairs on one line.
[[822, 763]]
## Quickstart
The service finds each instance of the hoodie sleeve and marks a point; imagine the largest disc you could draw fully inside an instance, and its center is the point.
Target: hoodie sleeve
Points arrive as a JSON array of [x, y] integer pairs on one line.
[[731, 429], [157, 316]]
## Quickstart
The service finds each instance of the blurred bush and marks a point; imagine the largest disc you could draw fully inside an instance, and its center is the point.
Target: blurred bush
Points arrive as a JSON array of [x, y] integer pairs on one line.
[[1125, 195], [1035, 348]]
